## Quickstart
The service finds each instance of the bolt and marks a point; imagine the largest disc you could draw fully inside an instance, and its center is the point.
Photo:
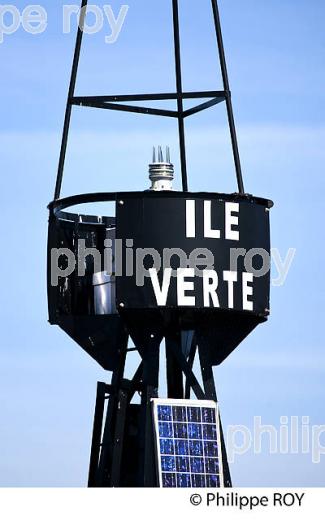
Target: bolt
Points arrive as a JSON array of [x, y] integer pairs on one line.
[[121, 305], [121, 202]]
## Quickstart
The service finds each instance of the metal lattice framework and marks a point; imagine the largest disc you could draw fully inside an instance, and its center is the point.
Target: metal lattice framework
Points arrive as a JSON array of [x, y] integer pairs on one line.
[[118, 102]]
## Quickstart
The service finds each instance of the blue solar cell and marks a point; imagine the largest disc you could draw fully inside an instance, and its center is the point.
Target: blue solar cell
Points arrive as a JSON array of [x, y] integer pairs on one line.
[[213, 481], [208, 415], [179, 413], [196, 448], [189, 445], [183, 480], [198, 481], [211, 466], [209, 431], [164, 413], [168, 463], [165, 429], [211, 449], [169, 480], [194, 431], [167, 447], [197, 465], [194, 414], [180, 430], [181, 447], [182, 464]]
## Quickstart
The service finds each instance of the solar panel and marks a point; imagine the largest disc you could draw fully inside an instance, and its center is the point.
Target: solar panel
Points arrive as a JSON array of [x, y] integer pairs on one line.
[[188, 443]]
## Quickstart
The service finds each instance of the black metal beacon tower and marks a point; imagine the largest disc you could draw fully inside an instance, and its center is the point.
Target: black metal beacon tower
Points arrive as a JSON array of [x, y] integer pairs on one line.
[[201, 312]]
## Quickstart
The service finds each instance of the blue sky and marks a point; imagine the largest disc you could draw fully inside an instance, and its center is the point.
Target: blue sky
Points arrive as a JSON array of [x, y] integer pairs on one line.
[[275, 53]]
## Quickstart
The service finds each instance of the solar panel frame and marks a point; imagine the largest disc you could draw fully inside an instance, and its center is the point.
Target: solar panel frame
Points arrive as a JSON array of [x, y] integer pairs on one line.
[[194, 445]]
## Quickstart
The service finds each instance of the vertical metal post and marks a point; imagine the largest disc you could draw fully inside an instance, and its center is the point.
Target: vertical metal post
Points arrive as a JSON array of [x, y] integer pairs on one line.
[[179, 87], [175, 387], [211, 393], [122, 402], [67, 118], [230, 112], [97, 434], [104, 464], [190, 361], [150, 383]]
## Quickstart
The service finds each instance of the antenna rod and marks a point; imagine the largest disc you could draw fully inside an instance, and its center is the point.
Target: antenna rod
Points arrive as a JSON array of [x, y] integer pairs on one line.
[[178, 68], [67, 118], [230, 112]]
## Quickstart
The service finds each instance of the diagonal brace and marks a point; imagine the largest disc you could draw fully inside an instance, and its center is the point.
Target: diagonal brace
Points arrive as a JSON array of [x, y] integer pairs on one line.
[[187, 369], [124, 108], [203, 106]]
